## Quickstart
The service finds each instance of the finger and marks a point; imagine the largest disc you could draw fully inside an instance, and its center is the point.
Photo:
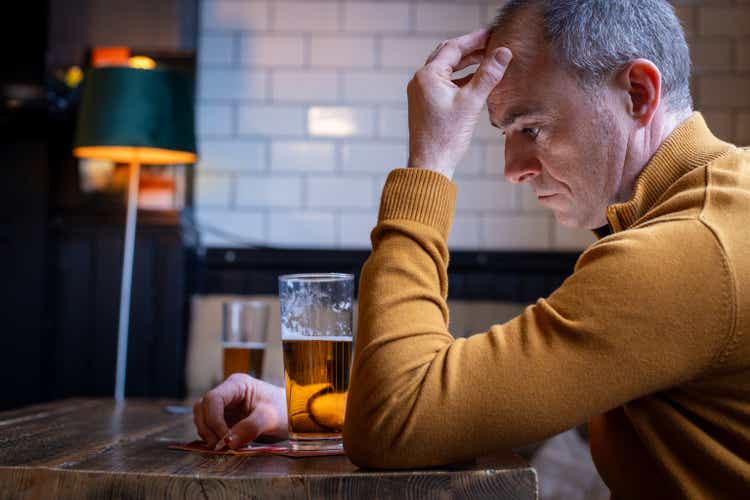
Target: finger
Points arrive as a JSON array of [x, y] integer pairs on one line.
[[473, 58], [434, 53], [452, 51], [203, 430], [228, 393], [488, 75], [261, 420], [213, 415]]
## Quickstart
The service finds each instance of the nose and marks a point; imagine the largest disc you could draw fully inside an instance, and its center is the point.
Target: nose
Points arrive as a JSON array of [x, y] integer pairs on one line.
[[520, 167]]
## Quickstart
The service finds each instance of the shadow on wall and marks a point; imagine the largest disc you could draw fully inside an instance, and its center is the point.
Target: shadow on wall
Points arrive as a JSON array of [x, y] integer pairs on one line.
[[204, 358]]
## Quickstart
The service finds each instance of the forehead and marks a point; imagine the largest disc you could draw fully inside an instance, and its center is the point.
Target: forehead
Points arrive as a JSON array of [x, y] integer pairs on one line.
[[533, 79]]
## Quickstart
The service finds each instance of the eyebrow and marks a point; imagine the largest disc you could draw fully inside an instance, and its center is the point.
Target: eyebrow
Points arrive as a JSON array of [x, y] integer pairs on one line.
[[515, 114]]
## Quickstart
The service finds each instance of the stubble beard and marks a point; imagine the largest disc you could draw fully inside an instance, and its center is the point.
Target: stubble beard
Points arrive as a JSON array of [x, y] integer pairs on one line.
[[603, 171]]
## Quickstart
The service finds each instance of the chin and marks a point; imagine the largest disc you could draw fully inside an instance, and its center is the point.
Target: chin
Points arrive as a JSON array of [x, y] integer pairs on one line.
[[568, 220], [568, 217]]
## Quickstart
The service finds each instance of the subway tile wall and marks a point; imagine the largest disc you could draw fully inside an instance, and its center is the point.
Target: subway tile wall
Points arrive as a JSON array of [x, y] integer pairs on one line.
[[302, 112]]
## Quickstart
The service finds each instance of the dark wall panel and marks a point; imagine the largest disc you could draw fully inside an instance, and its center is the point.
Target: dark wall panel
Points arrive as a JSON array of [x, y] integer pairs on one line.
[[23, 247], [90, 273], [503, 276]]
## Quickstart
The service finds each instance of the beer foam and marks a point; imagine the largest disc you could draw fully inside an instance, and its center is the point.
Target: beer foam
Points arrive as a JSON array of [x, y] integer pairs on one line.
[[245, 345], [330, 338]]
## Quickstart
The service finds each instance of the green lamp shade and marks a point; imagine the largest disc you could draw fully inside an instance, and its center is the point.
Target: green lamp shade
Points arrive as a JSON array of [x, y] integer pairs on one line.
[[143, 115]]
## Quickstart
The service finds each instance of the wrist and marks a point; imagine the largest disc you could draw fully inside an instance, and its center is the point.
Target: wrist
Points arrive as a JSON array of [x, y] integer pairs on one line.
[[435, 166]]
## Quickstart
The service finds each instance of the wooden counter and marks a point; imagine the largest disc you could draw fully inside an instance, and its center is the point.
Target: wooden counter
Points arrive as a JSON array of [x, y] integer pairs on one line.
[[91, 448]]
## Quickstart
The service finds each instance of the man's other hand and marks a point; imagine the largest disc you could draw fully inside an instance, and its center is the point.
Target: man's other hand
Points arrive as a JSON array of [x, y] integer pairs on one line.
[[239, 410], [444, 112]]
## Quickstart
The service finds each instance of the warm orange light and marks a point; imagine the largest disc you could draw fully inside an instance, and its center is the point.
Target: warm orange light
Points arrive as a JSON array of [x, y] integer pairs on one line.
[[123, 154], [109, 56], [141, 62]]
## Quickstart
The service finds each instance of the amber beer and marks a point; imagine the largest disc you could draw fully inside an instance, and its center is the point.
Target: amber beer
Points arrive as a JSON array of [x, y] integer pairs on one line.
[[316, 370], [316, 333], [244, 357]]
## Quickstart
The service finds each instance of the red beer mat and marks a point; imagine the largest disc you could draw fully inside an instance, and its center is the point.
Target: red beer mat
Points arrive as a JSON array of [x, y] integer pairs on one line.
[[282, 448]]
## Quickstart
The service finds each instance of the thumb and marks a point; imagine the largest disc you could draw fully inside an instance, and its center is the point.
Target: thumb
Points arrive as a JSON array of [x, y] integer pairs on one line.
[[246, 430], [489, 74]]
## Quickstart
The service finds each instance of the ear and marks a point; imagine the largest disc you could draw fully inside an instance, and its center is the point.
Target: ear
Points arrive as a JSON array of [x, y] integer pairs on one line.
[[641, 80]]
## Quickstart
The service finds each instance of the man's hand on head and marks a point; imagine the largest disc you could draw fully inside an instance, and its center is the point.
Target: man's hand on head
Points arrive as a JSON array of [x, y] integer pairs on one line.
[[443, 112]]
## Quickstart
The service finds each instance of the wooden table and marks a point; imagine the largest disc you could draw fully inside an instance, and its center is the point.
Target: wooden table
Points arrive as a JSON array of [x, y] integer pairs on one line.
[[91, 448]]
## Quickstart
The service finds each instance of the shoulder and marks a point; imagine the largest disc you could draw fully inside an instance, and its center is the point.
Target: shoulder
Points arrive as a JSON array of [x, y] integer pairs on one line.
[[662, 241], [656, 292], [670, 274]]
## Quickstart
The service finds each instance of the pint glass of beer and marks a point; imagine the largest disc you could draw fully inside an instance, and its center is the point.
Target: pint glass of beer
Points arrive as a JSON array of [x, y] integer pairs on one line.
[[316, 333], [244, 332]]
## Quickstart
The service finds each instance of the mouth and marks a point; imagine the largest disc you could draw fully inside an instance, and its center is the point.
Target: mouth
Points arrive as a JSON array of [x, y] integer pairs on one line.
[[542, 197]]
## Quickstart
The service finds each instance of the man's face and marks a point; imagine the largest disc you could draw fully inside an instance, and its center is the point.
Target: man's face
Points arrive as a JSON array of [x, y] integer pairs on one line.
[[563, 140]]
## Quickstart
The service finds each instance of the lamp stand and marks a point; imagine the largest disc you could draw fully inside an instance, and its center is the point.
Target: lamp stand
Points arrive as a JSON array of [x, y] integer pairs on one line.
[[126, 283]]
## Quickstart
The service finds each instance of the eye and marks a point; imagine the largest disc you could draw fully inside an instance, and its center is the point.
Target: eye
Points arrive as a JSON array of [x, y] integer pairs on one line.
[[532, 132]]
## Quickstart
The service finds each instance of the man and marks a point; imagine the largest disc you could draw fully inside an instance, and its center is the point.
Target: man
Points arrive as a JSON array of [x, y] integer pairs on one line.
[[648, 340]]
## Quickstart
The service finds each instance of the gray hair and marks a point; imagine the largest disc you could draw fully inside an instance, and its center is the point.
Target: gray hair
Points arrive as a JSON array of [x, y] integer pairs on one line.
[[596, 38]]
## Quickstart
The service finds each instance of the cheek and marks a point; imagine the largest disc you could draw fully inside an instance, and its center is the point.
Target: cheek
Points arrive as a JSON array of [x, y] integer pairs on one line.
[[561, 162]]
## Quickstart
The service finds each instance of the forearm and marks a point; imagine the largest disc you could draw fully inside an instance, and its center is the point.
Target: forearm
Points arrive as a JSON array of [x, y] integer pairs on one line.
[[402, 294], [405, 403]]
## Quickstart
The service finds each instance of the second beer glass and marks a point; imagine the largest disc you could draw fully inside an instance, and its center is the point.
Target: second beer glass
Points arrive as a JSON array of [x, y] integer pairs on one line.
[[316, 332], [244, 332]]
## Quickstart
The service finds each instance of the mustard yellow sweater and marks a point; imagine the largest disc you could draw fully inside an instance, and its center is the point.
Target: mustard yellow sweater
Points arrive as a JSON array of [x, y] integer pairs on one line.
[[649, 338]]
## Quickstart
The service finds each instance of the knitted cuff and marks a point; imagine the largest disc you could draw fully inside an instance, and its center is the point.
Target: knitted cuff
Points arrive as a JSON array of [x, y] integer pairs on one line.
[[419, 195]]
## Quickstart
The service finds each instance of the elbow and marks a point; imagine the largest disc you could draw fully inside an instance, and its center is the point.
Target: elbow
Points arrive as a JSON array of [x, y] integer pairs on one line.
[[378, 439], [363, 446], [369, 442]]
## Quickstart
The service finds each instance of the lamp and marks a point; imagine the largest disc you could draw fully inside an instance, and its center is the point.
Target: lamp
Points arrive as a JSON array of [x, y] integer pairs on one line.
[[132, 115]]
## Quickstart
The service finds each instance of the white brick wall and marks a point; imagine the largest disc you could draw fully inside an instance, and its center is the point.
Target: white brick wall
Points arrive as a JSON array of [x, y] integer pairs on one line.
[[471, 164], [371, 17], [236, 154], [302, 113], [465, 232], [302, 229], [272, 50], [302, 156], [393, 122], [342, 51], [375, 157], [355, 229], [232, 227], [304, 86], [214, 119], [216, 50], [271, 120], [232, 84], [269, 191], [213, 189], [447, 18], [228, 15], [340, 121], [382, 86], [306, 16], [339, 192], [480, 195], [521, 232], [401, 51]]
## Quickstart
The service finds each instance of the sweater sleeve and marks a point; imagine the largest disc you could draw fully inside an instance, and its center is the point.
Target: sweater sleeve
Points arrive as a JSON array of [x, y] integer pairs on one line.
[[638, 315]]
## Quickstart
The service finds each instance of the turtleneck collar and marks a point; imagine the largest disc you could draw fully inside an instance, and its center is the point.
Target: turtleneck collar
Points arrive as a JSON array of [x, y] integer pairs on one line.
[[689, 146]]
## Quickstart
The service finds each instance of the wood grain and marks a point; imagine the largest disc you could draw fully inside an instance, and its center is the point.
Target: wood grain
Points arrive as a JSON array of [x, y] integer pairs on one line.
[[95, 448]]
